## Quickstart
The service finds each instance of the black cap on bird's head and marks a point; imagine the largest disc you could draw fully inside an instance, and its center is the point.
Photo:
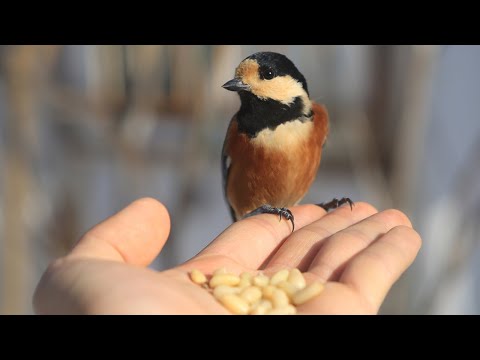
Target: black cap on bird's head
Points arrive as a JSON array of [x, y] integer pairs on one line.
[[269, 75], [272, 92]]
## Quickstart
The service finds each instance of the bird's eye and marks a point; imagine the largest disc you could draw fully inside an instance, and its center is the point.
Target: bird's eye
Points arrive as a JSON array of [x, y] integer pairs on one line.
[[267, 73]]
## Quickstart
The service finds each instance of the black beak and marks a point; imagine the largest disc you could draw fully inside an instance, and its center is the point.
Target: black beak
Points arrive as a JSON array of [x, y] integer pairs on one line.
[[236, 85]]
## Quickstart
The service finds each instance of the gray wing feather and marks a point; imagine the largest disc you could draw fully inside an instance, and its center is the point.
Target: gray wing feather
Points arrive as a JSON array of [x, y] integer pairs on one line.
[[225, 173]]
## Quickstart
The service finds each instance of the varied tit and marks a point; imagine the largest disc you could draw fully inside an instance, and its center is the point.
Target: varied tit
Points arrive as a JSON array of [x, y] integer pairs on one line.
[[273, 145]]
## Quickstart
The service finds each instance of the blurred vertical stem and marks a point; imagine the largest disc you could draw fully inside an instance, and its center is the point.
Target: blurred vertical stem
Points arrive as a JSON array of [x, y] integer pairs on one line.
[[17, 178], [22, 69], [411, 130]]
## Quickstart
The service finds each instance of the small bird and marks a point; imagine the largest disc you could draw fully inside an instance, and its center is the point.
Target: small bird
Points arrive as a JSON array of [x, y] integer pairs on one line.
[[273, 145]]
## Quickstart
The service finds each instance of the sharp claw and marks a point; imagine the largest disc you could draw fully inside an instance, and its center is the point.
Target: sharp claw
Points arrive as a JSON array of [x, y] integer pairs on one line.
[[293, 223], [289, 216], [335, 203], [291, 219], [350, 202], [267, 209]]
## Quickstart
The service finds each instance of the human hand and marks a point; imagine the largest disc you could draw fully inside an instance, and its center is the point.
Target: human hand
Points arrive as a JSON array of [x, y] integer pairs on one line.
[[359, 254]]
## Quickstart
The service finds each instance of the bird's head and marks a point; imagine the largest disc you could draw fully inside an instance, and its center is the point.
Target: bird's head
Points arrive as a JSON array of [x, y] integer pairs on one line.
[[269, 76]]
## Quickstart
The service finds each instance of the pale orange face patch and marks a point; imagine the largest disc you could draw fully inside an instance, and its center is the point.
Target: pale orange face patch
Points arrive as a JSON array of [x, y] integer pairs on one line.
[[281, 88]]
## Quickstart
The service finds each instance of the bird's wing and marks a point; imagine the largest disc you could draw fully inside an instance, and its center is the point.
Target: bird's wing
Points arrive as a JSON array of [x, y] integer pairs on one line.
[[226, 169], [322, 124]]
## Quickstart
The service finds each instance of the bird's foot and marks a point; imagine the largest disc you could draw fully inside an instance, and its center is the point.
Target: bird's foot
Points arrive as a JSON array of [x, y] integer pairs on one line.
[[268, 209], [335, 203]]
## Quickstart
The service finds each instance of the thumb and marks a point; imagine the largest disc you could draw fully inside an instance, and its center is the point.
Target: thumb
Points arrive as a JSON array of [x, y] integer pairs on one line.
[[134, 235]]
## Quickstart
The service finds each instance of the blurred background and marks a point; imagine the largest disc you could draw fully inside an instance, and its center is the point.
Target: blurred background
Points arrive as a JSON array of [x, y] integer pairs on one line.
[[84, 130]]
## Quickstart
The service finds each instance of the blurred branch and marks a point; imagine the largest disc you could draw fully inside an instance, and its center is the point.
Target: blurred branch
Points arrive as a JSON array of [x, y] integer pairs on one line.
[[411, 131], [23, 67], [464, 201]]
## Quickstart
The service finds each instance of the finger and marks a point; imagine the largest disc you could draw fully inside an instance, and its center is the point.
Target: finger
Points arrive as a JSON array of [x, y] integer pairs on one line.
[[374, 270], [135, 235], [300, 248], [342, 246], [250, 241], [336, 299]]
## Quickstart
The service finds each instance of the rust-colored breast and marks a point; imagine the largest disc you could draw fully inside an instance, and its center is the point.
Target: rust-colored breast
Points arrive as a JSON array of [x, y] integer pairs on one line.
[[276, 168]]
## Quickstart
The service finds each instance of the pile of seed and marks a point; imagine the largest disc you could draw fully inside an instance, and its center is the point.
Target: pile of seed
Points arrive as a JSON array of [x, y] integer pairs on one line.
[[259, 294]]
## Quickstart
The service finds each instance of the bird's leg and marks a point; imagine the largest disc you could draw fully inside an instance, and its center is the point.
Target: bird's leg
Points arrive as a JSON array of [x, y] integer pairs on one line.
[[335, 203], [268, 209]]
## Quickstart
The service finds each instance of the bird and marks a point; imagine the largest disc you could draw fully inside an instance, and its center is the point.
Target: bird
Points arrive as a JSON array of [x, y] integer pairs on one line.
[[274, 142]]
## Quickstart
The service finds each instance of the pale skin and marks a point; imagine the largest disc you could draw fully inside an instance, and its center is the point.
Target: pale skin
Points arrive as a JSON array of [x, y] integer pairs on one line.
[[358, 254]]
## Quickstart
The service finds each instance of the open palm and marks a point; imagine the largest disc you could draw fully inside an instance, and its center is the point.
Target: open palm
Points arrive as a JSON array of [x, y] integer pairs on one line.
[[359, 254]]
